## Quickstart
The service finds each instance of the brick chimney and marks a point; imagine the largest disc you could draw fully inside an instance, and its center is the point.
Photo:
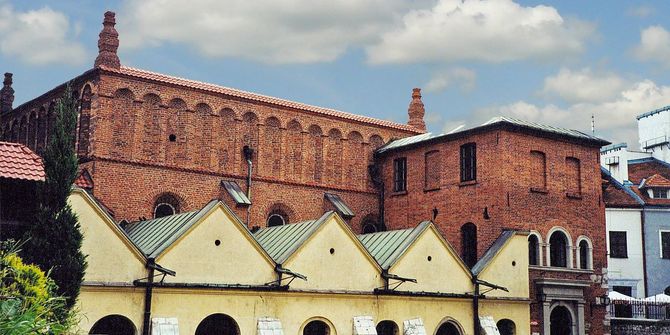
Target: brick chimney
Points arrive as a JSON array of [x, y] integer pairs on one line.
[[108, 43], [6, 94], [416, 111]]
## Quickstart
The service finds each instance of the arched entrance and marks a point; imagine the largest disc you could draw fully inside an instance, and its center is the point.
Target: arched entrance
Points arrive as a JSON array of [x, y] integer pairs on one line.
[[448, 328], [561, 321], [316, 327], [218, 324], [506, 327], [113, 325], [387, 327]]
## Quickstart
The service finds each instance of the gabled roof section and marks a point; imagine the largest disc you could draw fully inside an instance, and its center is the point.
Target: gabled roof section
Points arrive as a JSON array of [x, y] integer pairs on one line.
[[84, 180], [17, 161], [339, 204], [388, 246], [498, 121], [655, 180], [157, 77], [491, 253], [281, 242], [616, 194], [236, 193], [156, 235]]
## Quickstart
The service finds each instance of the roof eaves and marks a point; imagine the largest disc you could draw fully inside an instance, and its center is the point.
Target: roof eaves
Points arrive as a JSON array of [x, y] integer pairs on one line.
[[170, 239], [662, 109], [299, 242], [400, 250]]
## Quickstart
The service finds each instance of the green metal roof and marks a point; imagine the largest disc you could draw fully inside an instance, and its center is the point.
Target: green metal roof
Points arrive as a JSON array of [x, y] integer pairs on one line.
[[386, 247], [493, 251], [281, 242], [152, 237]]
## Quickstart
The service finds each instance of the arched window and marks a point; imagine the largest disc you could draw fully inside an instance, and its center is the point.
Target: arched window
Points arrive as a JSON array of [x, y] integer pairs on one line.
[[387, 327], [316, 327], [584, 254], [560, 321], [276, 219], [558, 249], [166, 205], [533, 250], [220, 324], [469, 244], [448, 328], [113, 325], [506, 327]]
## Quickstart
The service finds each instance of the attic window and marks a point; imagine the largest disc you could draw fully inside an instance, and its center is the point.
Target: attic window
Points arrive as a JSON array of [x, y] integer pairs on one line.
[[660, 193], [164, 209], [276, 220]]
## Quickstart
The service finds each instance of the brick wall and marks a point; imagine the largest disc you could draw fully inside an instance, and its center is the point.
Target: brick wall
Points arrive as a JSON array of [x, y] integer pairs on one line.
[[640, 327]]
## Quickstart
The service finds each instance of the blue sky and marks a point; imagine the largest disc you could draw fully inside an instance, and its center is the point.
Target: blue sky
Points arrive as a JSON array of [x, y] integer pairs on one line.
[[554, 62]]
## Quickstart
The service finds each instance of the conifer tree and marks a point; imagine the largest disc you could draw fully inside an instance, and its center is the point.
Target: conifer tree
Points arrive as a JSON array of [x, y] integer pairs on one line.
[[54, 239]]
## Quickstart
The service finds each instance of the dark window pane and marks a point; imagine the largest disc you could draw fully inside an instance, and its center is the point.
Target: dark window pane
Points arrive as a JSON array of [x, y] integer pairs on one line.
[[469, 244], [623, 309], [583, 255], [558, 245], [665, 244], [400, 174], [618, 244], [468, 162], [533, 251]]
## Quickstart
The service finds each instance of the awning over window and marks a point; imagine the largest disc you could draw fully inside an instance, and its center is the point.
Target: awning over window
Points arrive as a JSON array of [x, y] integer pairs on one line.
[[236, 193], [340, 206]]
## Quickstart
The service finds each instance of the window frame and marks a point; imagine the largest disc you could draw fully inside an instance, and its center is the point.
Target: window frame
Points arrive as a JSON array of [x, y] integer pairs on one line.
[[565, 250], [613, 254], [400, 174], [543, 156], [660, 191], [468, 162], [536, 252], [660, 243]]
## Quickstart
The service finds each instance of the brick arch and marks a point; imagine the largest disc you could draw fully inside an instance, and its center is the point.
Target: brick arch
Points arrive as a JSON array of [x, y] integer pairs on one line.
[[334, 157], [356, 169], [315, 147], [227, 133], [84, 122], [176, 136], [152, 118], [249, 133], [23, 130], [373, 221], [272, 148], [32, 130], [171, 197], [280, 208], [123, 124], [202, 137], [294, 148]]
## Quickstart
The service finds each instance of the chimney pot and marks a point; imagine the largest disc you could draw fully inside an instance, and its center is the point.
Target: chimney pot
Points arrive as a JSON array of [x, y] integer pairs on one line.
[[6, 94], [416, 111]]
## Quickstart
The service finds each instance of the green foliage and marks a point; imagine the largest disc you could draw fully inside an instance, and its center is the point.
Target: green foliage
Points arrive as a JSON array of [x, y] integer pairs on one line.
[[28, 304], [54, 239]]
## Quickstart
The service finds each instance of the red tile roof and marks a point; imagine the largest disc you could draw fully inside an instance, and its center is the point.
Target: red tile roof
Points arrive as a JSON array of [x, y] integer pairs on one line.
[[84, 180], [157, 77], [656, 180], [19, 162]]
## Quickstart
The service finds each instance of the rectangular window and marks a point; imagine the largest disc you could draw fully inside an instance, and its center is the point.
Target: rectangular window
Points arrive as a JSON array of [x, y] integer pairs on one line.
[[660, 193], [468, 162], [400, 174], [621, 309], [573, 176], [538, 162], [618, 244], [432, 170], [665, 244]]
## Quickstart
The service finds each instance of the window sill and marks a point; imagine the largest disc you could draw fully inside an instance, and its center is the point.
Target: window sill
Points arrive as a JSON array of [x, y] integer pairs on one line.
[[539, 190], [619, 257], [432, 189], [573, 195], [398, 193], [467, 183], [559, 269]]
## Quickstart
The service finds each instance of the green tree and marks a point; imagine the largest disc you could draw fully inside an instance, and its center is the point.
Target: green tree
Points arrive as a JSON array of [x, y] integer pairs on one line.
[[53, 241]]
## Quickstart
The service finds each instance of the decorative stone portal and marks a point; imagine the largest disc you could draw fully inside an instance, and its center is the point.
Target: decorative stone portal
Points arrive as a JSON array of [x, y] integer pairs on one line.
[[562, 306]]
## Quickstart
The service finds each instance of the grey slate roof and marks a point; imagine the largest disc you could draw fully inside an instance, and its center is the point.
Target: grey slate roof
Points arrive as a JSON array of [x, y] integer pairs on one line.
[[386, 247], [340, 205], [498, 120], [492, 251], [152, 237], [280, 242]]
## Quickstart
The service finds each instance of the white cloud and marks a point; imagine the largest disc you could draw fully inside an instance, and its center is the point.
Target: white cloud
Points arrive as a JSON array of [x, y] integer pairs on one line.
[[489, 31], [654, 45], [441, 80], [641, 11], [281, 31], [40, 37], [583, 85], [614, 119]]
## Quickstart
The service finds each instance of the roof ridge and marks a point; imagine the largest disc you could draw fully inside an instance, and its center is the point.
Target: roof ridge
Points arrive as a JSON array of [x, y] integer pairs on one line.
[[156, 76]]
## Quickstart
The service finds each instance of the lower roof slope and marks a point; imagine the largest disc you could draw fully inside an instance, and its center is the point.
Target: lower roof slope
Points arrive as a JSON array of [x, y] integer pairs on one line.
[[17, 161]]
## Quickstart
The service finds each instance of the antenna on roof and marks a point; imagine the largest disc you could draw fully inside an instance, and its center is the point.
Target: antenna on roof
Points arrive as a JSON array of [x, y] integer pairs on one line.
[[593, 123]]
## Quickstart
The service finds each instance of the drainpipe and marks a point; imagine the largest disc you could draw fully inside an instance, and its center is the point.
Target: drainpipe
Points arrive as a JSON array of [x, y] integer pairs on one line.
[[151, 264], [644, 253], [248, 155], [475, 307]]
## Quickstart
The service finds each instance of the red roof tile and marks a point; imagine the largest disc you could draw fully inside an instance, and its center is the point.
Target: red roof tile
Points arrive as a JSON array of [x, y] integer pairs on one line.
[[656, 180], [84, 180], [19, 162], [147, 75]]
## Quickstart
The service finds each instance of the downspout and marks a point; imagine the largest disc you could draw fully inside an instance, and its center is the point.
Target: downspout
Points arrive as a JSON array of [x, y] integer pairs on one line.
[[375, 172], [475, 308], [248, 155], [644, 252], [151, 264]]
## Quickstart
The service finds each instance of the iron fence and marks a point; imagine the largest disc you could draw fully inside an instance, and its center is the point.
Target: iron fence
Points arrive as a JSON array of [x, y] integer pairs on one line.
[[639, 309]]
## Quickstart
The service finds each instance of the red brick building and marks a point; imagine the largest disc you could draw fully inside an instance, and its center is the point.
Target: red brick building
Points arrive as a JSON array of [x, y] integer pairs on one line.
[[511, 174], [151, 144]]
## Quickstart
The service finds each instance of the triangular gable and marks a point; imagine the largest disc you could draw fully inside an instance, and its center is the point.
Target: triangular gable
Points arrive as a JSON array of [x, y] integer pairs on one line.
[[217, 248], [387, 246], [112, 256], [434, 263], [506, 264], [330, 250]]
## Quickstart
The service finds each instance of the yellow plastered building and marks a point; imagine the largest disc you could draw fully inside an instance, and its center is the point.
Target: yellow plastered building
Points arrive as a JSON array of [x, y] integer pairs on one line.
[[204, 272]]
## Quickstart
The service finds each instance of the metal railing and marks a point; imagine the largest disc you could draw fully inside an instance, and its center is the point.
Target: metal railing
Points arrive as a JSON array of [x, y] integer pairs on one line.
[[639, 309]]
